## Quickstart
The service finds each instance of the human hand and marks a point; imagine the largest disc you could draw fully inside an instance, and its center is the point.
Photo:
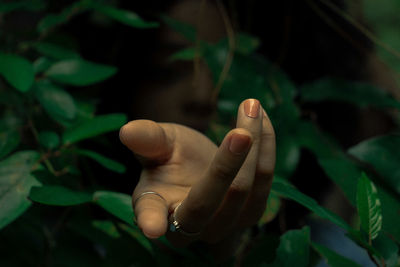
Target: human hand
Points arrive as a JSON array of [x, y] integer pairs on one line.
[[219, 189]]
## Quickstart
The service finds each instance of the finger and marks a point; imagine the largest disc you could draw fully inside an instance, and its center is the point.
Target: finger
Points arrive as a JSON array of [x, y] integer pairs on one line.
[[151, 213], [249, 118], [256, 203], [148, 139], [205, 197]]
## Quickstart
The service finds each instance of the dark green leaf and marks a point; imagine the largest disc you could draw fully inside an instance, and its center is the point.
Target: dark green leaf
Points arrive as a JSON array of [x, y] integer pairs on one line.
[[357, 93], [188, 31], [55, 51], [31, 5], [125, 16], [9, 140], [15, 183], [294, 249], [369, 207], [17, 71], [58, 103], [332, 258], [102, 160], [58, 195], [79, 72], [246, 44], [185, 54], [286, 190], [107, 227], [118, 204], [383, 154], [137, 234], [93, 127], [49, 140], [388, 249], [41, 64]]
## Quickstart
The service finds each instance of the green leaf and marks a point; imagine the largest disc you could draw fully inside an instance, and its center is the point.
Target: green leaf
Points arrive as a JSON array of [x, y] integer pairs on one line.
[[49, 140], [15, 183], [185, 54], [58, 103], [388, 249], [384, 155], [102, 160], [31, 5], [294, 249], [107, 227], [138, 235], [357, 93], [285, 189], [332, 258], [94, 127], [125, 16], [9, 140], [55, 51], [118, 204], [272, 209], [58, 196], [17, 71], [369, 207], [41, 64], [188, 31], [246, 44], [79, 72]]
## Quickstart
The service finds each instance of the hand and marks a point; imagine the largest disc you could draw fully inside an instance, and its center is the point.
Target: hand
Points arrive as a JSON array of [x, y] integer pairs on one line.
[[221, 189]]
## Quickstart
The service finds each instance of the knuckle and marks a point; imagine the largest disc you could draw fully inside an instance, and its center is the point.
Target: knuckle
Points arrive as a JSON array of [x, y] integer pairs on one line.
[[238, 190], [222, 171]]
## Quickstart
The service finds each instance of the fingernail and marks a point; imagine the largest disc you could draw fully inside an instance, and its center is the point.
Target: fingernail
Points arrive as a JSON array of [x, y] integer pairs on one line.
[[252, 108], [239, 143]]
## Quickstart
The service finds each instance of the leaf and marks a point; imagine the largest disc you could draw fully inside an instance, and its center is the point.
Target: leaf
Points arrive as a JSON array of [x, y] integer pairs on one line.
[[384, 155], [118, 204], [102, 160], [79, 72], [58, 196], [187, 31], [17, 71], [357, 93], [137, 234], [49, 140], [272, 209], [31, 5], [369, 207], [294, 249], [58, 103], [93, 127], [286, 190], [107, 227], [41, 64], [388, 249], [55, 51], [125, 16], [332, 258], [9, 140], [15, 183], [185, 54], [246, 44]]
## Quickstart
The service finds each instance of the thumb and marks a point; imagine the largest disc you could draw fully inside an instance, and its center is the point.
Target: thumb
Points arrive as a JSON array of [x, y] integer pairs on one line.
[[147, 139]]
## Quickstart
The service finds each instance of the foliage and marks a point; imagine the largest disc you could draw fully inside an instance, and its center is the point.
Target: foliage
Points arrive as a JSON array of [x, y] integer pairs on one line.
[[44, 125]]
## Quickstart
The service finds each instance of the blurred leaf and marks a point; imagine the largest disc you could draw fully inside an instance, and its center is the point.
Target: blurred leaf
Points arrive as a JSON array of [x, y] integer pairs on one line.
[[294, 249], [93, 127], [185, 54], [58, 195], [17, 71], [273, 206], [9, 140], [369, 207], [137, 234], [388, 249], [49, 140], [31, 5], [286, 190], [187, 31], [55, 51], [107, 227], [245, 43], [332, 258], [357, 93], [41, 64], [118, 204], [124, 16], [79, 72], [102, 160], [262, 251], [58, 103], [15, 183], [53, 20], [384, 155]]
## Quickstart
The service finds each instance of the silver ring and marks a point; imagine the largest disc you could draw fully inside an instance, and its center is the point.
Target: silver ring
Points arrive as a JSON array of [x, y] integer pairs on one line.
[[147, 193], [176, 227]]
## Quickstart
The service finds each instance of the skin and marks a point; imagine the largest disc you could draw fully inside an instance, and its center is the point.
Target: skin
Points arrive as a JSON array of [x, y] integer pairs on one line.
[[222, 190]]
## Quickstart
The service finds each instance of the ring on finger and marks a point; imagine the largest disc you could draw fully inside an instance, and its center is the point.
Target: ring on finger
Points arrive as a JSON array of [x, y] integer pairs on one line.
[[175, 226], [147, 193]]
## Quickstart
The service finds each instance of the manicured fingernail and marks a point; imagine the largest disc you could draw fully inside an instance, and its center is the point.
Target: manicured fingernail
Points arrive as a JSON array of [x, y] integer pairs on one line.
[[252, 108], [239, 143]]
